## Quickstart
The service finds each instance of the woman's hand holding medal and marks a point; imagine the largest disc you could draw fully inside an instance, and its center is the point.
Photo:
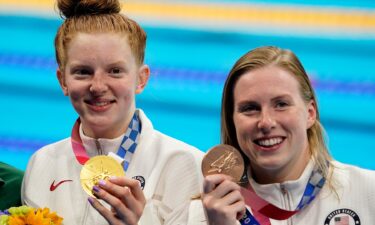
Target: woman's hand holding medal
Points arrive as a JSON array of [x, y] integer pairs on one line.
[[104, 178], [223, 167], [125, 197]]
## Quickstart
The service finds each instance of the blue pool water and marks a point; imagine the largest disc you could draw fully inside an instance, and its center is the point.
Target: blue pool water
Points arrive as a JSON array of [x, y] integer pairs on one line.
[[183, 97]]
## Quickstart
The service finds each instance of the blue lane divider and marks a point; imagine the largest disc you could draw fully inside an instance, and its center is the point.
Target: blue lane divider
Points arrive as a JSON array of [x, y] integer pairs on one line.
[[183, 75]]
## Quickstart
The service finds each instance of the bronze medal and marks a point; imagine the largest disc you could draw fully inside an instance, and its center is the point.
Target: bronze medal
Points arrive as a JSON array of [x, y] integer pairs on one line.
[[224, 159], [99, 168]]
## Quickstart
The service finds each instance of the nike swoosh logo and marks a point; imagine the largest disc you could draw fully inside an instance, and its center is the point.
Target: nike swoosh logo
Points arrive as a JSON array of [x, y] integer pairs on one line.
[[53, 186]]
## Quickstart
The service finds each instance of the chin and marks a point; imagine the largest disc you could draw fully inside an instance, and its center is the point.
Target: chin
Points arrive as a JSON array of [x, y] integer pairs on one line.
[[270, 164], [98, 121]]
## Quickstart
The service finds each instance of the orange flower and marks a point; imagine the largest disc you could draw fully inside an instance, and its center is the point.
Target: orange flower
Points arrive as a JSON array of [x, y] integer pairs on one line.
[[16, 220], [36, 217], [53, 217]]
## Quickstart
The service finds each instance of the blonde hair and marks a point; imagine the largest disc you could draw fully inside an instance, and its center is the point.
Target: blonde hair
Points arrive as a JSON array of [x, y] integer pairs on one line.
[[287, 60], [96, 16]]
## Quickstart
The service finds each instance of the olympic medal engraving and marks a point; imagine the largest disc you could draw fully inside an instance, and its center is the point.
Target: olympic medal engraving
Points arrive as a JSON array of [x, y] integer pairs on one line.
[[99, 168], [223, 159]]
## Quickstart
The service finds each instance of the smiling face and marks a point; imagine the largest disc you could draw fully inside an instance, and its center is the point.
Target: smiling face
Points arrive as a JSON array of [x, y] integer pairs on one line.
[[271, 121], [101, 77]]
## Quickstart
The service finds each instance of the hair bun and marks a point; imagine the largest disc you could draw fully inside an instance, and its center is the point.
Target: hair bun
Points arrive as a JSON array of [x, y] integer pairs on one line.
[[70, 8]]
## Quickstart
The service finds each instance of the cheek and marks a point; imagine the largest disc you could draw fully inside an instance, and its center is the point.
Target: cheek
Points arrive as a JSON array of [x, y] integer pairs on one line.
[[244, 125], [243, 134], [76, 93], [297, 125], [125, 93], [74, 96], [238, 128], [76, 100], [75, 88], [246, 146]]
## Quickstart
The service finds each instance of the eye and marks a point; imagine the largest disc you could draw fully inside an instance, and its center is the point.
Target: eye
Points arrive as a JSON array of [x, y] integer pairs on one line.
[[248, 108], [281, 104], [81, 71], [116, 71]]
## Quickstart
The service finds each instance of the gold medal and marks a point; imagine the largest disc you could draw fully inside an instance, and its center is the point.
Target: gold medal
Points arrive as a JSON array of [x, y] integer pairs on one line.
[[224, 159], [99, 168]]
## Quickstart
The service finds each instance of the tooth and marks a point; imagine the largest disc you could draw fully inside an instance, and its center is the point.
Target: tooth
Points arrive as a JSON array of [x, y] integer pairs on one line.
[[100, 103], [270, 142]]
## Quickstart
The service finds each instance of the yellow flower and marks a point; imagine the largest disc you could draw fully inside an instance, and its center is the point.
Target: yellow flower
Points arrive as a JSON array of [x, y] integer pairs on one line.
[[16, 220], [53, 217], [36, 217]]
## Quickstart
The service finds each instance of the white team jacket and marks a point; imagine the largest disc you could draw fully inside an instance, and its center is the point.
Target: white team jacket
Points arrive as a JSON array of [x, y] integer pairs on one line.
[[354, 203], [170, 168]]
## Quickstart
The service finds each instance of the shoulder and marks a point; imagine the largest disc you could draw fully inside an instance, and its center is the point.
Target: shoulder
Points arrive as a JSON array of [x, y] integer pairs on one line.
[[53, 149], [355, 191], [49, 154], [349, 174], [176, 157], [352, 170]]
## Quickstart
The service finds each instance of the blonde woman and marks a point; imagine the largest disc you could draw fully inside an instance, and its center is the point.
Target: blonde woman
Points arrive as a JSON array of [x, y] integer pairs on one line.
[[270, 113]]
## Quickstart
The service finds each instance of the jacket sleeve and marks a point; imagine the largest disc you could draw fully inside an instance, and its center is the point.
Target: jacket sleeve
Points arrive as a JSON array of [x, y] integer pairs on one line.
[[180, 181]]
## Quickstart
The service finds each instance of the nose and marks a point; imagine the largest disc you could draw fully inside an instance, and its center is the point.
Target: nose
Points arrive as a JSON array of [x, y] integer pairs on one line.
[[98, 84], [266, 121]]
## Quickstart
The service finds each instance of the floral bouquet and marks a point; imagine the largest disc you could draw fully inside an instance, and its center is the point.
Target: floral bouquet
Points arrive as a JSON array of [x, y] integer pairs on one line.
[[25, 215]]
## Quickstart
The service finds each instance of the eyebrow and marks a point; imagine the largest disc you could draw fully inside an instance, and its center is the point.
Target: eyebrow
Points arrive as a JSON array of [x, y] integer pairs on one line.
[[78, 63], [245, 102], [280, 96], [117, 63]]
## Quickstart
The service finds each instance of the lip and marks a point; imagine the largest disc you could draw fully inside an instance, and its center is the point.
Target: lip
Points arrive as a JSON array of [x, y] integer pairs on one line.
[[268, 149], [99, 108]]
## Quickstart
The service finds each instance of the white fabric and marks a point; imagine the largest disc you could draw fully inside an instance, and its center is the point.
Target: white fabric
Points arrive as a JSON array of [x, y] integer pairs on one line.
[[355, 188], [171, 170], [295, 189]]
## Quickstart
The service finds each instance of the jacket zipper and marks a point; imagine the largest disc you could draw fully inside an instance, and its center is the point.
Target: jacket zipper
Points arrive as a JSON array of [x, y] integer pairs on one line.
[[100, 151], [286, 197]]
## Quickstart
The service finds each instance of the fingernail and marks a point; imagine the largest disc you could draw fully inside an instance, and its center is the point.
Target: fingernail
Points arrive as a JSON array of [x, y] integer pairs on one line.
[[102, 183], [96, 188], [91, 200], [112, 178]]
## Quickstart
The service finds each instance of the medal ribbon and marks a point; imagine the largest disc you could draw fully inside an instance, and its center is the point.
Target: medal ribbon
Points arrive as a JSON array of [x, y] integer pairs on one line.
[[264, 210], [127, 147]]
